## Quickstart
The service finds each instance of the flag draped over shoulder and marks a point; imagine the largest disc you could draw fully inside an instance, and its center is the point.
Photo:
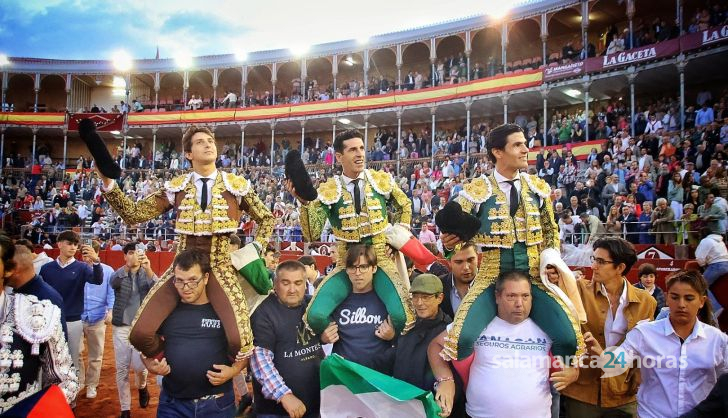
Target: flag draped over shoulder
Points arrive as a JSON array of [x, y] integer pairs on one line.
[[349, 389]]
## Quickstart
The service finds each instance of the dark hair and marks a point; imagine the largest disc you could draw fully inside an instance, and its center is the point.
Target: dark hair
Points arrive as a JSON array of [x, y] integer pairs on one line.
[[235, 240], [190, 132], [26, 243], [69, 236], [513, 275], [307, 260], [358, 250], [646, 269], [269, 249], [129, 247], [697, 282], [187, 259], [498, 138], [621, 251], [348, 134], [8, 252], [290, 265]]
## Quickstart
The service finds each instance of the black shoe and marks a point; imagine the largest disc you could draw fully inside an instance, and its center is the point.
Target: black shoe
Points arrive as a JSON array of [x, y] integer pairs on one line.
[[144, 397], [125, 414]]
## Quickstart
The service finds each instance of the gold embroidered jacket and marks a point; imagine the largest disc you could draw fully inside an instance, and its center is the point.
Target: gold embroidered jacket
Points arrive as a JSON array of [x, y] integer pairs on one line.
[[231, 194], [335, 203]]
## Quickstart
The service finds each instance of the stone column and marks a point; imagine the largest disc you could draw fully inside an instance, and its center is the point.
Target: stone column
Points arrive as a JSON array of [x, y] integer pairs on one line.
[[504, 99]]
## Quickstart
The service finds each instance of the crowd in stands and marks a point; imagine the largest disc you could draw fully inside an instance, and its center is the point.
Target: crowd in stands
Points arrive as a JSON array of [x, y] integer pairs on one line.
[[621, 182]]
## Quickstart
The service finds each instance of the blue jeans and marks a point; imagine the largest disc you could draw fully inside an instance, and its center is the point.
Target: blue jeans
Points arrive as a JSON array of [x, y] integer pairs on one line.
[[712, 273], [555, 402], [222, 407]]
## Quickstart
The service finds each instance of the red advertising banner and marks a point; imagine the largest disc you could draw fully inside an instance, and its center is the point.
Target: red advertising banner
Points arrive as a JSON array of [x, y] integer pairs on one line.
[[104, 121], [634, 55], [572, 69], [704, 38]]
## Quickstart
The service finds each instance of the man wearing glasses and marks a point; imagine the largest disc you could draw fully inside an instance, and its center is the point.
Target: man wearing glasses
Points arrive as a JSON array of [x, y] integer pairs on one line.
[[131, 283], [196, 368], [613, 307], [360, 329], [410, 356]]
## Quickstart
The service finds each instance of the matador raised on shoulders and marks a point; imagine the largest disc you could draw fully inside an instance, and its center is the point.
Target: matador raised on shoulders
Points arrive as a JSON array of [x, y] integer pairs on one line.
[[209, 204]]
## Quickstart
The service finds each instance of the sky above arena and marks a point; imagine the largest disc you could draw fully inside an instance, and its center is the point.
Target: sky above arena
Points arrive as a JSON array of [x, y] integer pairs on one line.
[[75, 29]]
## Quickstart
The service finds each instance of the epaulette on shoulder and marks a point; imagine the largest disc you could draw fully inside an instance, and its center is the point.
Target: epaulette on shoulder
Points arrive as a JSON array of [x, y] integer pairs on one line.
[[380, 181], [178, 183], [239, 186], [329, 192]]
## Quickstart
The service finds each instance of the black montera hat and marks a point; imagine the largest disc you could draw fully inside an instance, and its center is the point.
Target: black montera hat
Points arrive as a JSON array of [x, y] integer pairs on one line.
[[95, 144], [452, 220], [296, 172]]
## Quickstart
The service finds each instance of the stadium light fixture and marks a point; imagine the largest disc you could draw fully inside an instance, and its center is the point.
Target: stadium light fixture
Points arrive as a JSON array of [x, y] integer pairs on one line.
[[572, 92], [115, 132], [344, 121], [499, 9], [122, 61], [241, 56], [183, 60], [4, 60], [349, 60], [299, 50]]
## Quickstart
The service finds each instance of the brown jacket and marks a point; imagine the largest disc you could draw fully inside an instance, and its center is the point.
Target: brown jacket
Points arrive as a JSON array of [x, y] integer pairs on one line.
[[618, 390]]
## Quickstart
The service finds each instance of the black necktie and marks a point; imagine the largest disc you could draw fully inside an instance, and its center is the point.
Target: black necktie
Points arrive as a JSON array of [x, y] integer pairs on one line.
[[357, 196], [203, 198], [514, 197]]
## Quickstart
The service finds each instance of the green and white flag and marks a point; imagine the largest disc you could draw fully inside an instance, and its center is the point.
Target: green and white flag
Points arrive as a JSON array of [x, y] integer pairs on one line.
[[350, 390]]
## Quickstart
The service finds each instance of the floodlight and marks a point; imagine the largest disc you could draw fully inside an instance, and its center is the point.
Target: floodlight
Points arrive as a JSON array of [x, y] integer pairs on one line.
[[122, 61]]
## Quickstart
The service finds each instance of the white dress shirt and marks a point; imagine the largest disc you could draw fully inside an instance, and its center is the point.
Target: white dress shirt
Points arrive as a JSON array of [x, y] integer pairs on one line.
[[350, 187], [615, 326], [505, 186], [688, 369], [198, 185]]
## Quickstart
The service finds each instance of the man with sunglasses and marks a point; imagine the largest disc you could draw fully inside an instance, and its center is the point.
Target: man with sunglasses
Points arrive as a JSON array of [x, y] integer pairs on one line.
[[196, 368], [613, 307], [131, 283]]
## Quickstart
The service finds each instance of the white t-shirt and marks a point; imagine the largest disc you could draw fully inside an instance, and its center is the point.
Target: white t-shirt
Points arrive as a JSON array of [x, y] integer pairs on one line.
[[509, 376]]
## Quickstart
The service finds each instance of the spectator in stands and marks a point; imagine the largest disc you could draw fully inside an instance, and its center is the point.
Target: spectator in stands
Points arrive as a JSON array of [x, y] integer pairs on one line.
[[647, 274], [287, 355], [645, 224], [628, 224], [136, 106], [131, 283], [673, 391], [426, 235], [712, 215], [704, 116], [69, 277], [593, 228], [361, 330], [463, 268], [663, 225], [98, 304], [194, 103], [592, 395]]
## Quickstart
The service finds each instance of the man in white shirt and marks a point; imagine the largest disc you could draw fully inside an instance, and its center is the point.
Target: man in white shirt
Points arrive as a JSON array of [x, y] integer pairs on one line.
[[712, 255], [653, 125], [510, 356]]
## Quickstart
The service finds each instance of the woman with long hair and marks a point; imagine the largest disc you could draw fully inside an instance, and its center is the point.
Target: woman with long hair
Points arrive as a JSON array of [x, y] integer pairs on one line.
[[680, 356], [675, 194], [611, 225]]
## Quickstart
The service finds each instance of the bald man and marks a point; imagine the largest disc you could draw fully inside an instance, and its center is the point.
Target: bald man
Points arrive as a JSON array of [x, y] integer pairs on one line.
[[25, 280]]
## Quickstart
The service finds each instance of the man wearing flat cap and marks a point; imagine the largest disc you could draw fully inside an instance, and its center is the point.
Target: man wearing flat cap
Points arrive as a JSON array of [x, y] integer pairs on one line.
[[410, 354]]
